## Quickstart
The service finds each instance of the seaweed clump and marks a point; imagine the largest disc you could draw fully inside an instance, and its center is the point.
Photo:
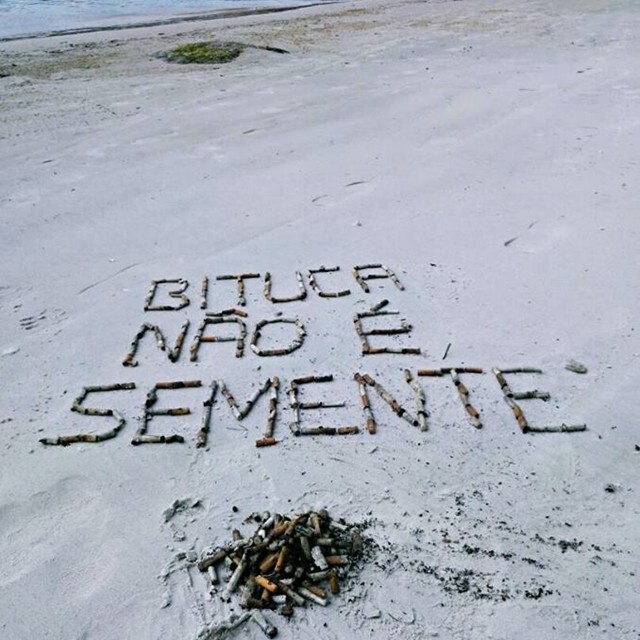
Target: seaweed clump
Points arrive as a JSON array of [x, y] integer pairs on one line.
[[204, 52]]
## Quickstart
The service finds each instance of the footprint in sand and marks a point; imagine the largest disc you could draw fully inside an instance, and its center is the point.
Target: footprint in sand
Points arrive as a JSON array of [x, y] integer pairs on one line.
[[53, 316]]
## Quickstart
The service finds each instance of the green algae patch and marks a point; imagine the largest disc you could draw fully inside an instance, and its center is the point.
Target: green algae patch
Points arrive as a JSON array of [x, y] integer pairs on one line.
[[205, 52]]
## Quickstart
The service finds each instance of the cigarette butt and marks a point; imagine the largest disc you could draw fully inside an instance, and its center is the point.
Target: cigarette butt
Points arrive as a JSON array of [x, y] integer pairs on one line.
[[296, 597], [430, 372], [315, 589], [356, 542], [348, 431], [310, 379], [174, 411], [227, 312], [312, 597], [318, 557], [266, 442], [306, 547], [267, 565], [462, 389], [62, 440], [532, 395], [279, 530], [251, 603], [89, 411], [334, 583], [320, 405], [472, 411], [315, 523], [563, 428], [470, 370], [265, 583], [381, 305], [213, 574], [318, 431], [336, 561], [147, 439], [209, 561], [267, 628], [325, 542], [201, 438], [405, 328], [276, 352], [129, 360], [318, 576], [179, 384], [371, 426], [282, 558]]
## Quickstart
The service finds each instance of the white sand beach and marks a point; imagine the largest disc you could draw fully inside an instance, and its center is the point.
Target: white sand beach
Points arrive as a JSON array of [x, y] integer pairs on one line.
[[486, 153]]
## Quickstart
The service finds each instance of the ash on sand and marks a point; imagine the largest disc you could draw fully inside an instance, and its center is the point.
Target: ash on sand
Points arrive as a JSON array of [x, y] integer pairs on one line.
[[288, 562]]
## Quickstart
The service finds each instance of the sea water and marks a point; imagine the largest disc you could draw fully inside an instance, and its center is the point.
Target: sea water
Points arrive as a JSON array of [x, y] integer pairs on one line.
[[20, 17]]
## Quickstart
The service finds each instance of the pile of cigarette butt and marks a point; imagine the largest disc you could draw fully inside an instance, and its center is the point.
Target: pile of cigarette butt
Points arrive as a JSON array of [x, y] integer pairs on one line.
[[288, 562]]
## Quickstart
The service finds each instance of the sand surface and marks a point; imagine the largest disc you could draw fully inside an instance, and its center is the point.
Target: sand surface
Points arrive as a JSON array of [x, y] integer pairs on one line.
[[487, 153]]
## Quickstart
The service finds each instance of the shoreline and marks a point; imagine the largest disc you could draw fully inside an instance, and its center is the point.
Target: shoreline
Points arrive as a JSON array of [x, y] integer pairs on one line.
[[174, 20]]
